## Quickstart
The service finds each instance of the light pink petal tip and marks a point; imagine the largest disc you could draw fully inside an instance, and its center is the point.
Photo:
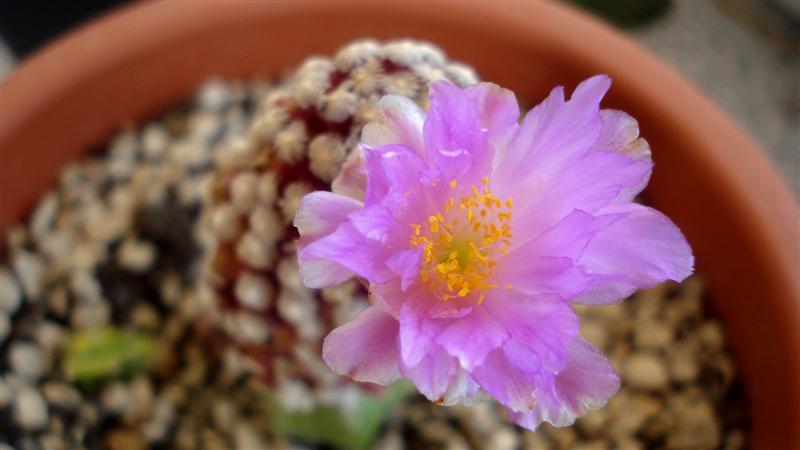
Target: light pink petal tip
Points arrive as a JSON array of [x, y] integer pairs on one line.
[[365, 348], [585, 384]]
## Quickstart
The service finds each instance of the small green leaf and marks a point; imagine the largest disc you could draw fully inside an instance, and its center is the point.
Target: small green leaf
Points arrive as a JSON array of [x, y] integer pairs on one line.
[[354, 429], [93, 356]]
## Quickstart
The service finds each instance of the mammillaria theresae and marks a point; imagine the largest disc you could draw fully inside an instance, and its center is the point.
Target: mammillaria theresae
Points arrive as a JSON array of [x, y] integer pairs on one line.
[[301, 136], [476, 233]]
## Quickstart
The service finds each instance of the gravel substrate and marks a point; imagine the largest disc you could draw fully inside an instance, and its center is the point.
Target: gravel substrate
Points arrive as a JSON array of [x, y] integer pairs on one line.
[[180, 230]]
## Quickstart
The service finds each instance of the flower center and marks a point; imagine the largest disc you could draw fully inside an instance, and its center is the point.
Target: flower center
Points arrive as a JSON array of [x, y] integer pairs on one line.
[[460, 244]]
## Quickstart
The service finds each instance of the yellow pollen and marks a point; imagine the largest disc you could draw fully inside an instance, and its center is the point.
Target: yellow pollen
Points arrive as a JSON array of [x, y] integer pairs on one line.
[[459, 256]]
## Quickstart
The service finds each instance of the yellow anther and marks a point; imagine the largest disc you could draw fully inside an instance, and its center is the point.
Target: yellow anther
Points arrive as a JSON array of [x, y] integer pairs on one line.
[[459, 261]]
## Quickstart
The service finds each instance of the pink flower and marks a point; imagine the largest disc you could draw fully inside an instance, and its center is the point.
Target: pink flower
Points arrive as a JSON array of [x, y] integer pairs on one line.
[[476, 233]]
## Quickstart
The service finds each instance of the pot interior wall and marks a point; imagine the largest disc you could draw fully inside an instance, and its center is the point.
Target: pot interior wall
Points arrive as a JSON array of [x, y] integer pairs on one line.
[[139, 61]]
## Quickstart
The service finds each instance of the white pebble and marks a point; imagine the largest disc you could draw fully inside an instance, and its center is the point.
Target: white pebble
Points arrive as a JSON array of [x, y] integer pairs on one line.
[[145, 317], [85, 286], [247, 438], [683, 365], [27, 360], [30, 409], [10, 292], [116, 397], [645, 371], [29, 268], [652, 334], [711, 336], [57, 301], [295, 396], [50, 336], [61, 395], [155, 140], [326, 154], [253, 291], [44, 215], [5, 326], [103, 225], [247, 328], [696, 424], [6, 393], [136, 255], [214, 96], [90, 315]]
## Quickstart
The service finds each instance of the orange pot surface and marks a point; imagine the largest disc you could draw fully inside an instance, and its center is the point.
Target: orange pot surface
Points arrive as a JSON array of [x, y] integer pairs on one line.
[[710, 178]]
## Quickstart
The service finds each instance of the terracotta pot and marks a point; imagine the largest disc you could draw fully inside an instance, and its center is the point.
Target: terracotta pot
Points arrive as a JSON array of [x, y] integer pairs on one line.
[[709, 176]]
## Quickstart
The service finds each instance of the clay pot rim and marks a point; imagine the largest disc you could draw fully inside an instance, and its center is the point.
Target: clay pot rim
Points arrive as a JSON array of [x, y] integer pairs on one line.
[[766, 204]]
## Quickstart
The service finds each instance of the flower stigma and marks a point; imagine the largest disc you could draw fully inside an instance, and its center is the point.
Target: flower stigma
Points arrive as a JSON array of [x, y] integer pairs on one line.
[[460, 244]]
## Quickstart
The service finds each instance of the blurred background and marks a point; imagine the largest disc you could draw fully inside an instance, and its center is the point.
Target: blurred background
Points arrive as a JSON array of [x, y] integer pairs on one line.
[[744, 54], [109, 350]]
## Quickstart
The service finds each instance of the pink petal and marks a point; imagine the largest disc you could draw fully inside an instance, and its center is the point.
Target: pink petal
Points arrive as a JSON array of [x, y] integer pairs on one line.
[[435, 376], [509, 385], [568, 238], [365, 348], [390, 167], [498, 111], [543, 275], [552, 135], [463, 390], [349, 248], [641, 250], [352, 178], [471, 338], [321, 212], [543, 323], [546, 263], [453, 135], [621, 134], [406, 265], [322, 273], [540, 328], [585, 384], [401, 124], [588, 183], [418, 330]]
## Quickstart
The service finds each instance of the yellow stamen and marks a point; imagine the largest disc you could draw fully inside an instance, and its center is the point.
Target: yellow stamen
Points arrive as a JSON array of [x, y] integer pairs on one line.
[[459, 256]]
